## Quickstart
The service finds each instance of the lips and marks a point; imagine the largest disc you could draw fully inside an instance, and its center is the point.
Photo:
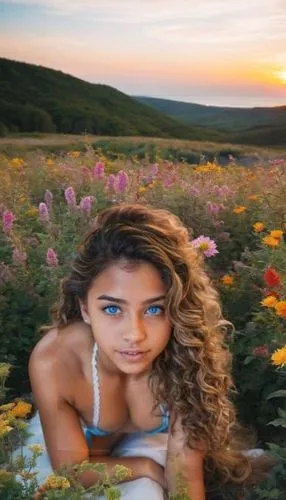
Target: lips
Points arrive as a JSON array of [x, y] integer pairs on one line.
[[132, 353]]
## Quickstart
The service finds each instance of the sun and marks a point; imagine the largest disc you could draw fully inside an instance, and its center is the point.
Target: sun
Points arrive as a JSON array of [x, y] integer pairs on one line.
[[282, 75]]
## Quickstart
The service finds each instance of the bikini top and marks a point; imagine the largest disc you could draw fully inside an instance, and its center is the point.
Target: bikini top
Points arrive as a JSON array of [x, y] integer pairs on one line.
[[94, 430]]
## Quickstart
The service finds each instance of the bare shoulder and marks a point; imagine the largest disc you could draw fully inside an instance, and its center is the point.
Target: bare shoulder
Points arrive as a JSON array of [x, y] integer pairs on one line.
[[60, 354]]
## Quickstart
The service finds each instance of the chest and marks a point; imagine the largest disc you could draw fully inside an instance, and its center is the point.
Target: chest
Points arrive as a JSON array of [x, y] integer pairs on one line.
[[123, 407]]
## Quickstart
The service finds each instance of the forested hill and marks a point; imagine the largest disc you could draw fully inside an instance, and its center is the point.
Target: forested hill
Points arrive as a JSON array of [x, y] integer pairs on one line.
[[35, 98], [218, 117]]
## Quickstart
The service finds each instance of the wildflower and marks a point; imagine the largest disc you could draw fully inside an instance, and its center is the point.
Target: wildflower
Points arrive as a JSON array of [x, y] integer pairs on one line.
[[206, 245], [56, 482], [280, 308], [32, 212], [261, 351], [155, 170], [48, 197], [21, 410], [122, 181], [51, 258], [74, 154], [222, 191], [270, 241], [142, 189], [278, 358], [85, 204], [4, 428], [4, 370], [271, 277], [276, 233], [7, 406], [239, 210], [111, 180], [194, 191], [214, 208], [36, 448], [227, 280], [44, 212], [269, 301], [70, 197], [98, 171], [258, 227], [18, 256], [8, 219]]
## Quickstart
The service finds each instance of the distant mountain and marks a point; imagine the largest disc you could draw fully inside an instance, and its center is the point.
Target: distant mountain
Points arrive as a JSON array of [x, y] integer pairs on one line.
[[230, 119], [35, 98]]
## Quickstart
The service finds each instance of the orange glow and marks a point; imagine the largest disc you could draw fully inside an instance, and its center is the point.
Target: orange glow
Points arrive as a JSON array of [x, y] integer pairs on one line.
[[282, 75]]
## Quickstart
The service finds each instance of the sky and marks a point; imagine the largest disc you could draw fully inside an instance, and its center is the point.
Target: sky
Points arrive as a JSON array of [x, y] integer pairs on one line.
[[214, 52]]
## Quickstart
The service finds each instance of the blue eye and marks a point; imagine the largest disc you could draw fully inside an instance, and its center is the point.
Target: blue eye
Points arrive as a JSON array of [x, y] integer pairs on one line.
[[111, 310], [156, 310]]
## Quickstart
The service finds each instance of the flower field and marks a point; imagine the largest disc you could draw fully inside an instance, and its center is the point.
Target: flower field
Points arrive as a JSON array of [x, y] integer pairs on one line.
[[236, 218]]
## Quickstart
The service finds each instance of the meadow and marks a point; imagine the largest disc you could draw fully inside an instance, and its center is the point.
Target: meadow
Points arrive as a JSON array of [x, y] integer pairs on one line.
[[49, 196]]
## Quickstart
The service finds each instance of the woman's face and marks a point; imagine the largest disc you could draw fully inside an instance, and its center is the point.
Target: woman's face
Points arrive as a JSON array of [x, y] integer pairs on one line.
[[126, 310]]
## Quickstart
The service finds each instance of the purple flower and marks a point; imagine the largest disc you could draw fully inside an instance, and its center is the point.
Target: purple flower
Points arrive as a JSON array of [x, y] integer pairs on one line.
[[155, 170], [18, 256], [223, 191], [8, 219], [51, 258], [85, 204], [214, 208], [44, 212], [98, 171], [122, 181], [206, 245], [70, 197], [48, 197], [111, 180]]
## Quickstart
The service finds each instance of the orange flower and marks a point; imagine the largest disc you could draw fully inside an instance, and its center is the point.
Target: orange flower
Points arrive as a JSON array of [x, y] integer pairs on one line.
[[276, 233], [278, 358], [269, 301], [253, 197], [227, 280], [280, 308], [21, 410], [270, 241], [239, 210], [258, 227]]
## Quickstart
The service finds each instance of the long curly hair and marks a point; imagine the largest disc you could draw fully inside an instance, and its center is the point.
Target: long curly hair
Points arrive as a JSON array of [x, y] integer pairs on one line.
[[192, 376]]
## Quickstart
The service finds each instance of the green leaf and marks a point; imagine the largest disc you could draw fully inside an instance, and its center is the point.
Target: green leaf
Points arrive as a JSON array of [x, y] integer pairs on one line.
[[277, 394], [278, 422], [248, 360]]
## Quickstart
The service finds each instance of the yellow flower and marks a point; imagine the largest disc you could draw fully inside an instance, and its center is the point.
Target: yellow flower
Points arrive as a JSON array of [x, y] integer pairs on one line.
[[22, 199], [142, 189], [276, 233], [270, 241], [36, 448], [21, 410], [56, 482], [280, 308], [269, 301], [4, 428], [32, 212], [50, 161], [7, 406], [258, 227], [227, 280], [239, 210], [278, 358], [74, 154], [4, 370]]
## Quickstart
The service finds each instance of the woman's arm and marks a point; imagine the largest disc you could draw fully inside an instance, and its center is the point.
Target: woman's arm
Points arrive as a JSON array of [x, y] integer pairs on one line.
[[64, 437], [185, 466]]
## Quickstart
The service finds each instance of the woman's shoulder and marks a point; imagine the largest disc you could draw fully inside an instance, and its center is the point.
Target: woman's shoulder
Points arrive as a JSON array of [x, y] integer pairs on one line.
[[66, 348]]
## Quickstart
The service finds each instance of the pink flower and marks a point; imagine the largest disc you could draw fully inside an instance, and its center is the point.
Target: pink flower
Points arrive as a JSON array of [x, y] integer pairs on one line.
[[111, 180], [44, 212], [98, 171], [155, 170], [48, 197], [260, 351], [8, 219], [223, 191], [70, 197], [52, 259], [122, 181], [18, 256], [85, 204], [194, 191], [213, 208], [206, 245]]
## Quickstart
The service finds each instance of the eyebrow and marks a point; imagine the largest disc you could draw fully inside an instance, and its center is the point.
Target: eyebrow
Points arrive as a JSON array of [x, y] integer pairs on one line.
[[122, 301]]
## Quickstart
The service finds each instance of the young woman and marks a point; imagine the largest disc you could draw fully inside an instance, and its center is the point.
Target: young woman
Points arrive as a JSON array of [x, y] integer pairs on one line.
[[137, 346]]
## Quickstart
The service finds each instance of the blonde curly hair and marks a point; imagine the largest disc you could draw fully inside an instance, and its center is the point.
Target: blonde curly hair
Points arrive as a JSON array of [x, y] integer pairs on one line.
[[192, 376]]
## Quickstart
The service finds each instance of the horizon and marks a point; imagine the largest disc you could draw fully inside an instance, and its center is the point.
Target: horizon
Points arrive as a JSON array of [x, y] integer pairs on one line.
[[211, 54]]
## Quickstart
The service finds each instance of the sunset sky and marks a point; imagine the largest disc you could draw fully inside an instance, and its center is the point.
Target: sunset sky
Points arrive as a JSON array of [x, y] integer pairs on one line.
[[219, 52]]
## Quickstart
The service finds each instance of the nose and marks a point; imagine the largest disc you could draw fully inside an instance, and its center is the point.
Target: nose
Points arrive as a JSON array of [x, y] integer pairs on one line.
[[135, 332]]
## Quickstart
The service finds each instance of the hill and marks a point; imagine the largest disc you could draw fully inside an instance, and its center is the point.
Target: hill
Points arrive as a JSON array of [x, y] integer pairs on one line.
[[223, 118], [35, 98]]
